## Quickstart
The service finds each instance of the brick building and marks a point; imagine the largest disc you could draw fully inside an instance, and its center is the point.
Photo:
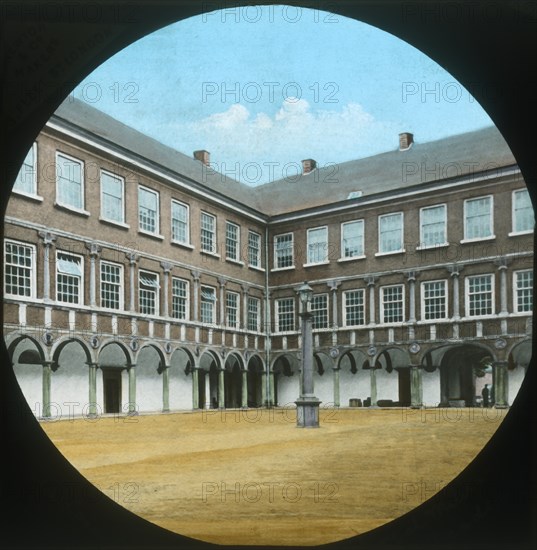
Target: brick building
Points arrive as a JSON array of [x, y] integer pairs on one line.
[[139, 279]]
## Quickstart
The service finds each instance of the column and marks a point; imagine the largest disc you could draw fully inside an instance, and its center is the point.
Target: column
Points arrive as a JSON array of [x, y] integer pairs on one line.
[[411, 276], [48, 240], [371, 285], [195, 388], [502, 264], [166, 268], [195, 305], [333, 286], [222, 283], [221, 394], [373, 385], [244, 389], [132, 390], [47, 371], [500, 383], [245, 294], [416, 388], [133, 258], [94, 251], [92, 370], [272, 401], [336, 386], [166, 388], [455, 270], [264, 389]]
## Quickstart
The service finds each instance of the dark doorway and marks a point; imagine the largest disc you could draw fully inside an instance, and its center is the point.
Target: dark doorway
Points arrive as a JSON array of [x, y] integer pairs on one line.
[[255, 379], [112, 390], [404, 387], [201, 388], [233, 387]]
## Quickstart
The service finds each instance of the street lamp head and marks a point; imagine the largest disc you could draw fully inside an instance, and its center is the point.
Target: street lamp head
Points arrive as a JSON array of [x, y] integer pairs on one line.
[[305, 293]]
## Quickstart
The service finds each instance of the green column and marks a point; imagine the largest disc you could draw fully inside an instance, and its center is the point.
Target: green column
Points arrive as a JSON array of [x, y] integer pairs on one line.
[[195, 388], [92, 370], [264, 389], [500, 384], [221, 395], [46, 389], [272, 401], [336, 387], [166, 389], [132, 390], [373, 384], [416, 388], [244, 389]]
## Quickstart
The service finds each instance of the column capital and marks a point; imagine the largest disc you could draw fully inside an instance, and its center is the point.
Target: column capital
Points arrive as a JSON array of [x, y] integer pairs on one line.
[[455, 269], [166, 266], [93, 248], [47, 237], [195, 275], [371, 280], [502, 262], [245, 289], [267, 294], [222, 282], [333, 285], [132, 257], [412, 275]]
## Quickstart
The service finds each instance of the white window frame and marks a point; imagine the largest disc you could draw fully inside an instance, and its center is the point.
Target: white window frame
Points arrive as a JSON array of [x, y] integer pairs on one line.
[[187, 299], [237, 323], [81, 280], [446, 300], [213, 251], [344, 257], [325, 260], [402, 248], [258, 315], [422, 245], [467, 296], [121, 306], [491, 214], [515, 293], [277, 302], [33, 194], [155, 233], [403, 298], [213, 313], [122, 180], [33, 270], [513, 213], [344, 302], [157, 292], [58, 202], [292, 246], [256, 265], [186, 242], [237, 258], [326, 309]]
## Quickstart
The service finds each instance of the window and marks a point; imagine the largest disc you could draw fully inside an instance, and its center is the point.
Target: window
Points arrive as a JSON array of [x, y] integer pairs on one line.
[[179, 298], [433, 226], [148, 293], [208, 305], [254, 249], [319, 308], [69, 181], [208, 233], [148, 218], [253, 314], [317, 245], [354, 308], [479, 295], [285, 314], [232, 309], [19, 265], [434, 300], [391, 233], [283, 251], [392, 304], [69, 278], [180, 229], [523, 291], [523, 216], [478, 218], [352, 239], [232, 241], [26, 181], [111, 285], [112, 192]]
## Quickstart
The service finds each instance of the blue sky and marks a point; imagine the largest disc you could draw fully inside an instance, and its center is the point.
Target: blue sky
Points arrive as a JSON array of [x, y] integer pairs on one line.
[[263, 87]]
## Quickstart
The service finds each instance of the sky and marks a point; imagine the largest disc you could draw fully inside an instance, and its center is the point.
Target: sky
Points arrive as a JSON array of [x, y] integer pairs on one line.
[[263, 87]]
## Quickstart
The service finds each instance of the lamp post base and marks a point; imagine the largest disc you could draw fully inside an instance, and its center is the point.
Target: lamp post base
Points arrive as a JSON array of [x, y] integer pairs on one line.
[[307, 415]]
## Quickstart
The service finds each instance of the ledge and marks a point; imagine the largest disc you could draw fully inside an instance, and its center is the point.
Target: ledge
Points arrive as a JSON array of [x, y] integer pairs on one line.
[[465, 241], [208, 253], [282, 268], [432, 246], [316, 263], [25, 195], [123, 225], [351, 258], [256, 268], [152, 235], [232, 261], [79, 211], [521, 233], [183, 245], [390, 253]]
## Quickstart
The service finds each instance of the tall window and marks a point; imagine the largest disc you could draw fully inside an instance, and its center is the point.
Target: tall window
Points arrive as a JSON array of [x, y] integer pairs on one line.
[[69, 181], [479, 295], [148, 292], [253, 314], [180, 232], [434, 296], [392, 304], [523, 215], [69, 278], [352, 239], [478, 219], [523, 291], [112, 192], [19, 265], [317, 245], [208, 233], [179, 298], [232, 309], [254, 249], [285, 314], [26, 181], [354, 307], [232, 241], [111, 285], [319, 308], [283, 251], [208, 305], [433, 226], [148, 214], [391, 233]]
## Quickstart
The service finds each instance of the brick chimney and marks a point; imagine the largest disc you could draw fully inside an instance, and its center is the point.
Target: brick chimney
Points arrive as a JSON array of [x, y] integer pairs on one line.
[[406, 139], [203, 156], [308, 165]]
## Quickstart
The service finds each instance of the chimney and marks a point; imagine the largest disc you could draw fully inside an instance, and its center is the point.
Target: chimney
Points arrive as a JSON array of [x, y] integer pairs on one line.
[[406, 139], [203, 156], [308, 165]]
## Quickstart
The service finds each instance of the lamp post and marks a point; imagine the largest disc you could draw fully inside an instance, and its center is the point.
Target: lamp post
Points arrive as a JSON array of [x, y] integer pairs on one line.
[[307, 404]]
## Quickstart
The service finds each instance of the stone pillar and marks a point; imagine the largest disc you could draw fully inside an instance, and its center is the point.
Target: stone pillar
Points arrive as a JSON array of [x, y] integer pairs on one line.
[[207, 389], [371, 285], [195, 388], [455, 272], [166, 389], [92, 370], [411, 275], [336, 386], [333, 286], [47, 371], [416, 387], [221, 394], [373, 384], [244, 395], [222, 283], [196, 285], [264, 389], [245, 294], [502, 264], [132, 390], [272, 401], [500, 384], [166, 267], [133, 258], [48, 240], [94, 251]]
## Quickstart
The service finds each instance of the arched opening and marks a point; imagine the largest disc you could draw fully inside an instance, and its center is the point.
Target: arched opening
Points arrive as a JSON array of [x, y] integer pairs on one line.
[[286, 380], [393, 378], [233, 382], [354, 380], [323, 378], [255, 381], [112, 379], [180, 379], [149, 383], [518, 361], [208, 381]]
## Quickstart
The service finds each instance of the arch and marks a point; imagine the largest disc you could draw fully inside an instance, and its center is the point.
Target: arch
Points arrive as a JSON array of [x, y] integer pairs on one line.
[[233, 381], [14, 339], [393, 357], [63, 342], [255, 381], [114, 359], [323, 378], [285, 369], [107, 349], [209, 379], [519, 357], [158, 350], [150, 364], [354, 380], [181, 377]]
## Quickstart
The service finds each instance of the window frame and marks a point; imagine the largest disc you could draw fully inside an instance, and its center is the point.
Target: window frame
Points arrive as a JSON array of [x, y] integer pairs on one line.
[[326, 309], [22, 192], [157, 293], [491, 219], [121, 285], [277, 302], [237, 323], [446, 300], [513, 216], [515, 293], [33, 270], [173, 240], [326, 259], [344, 303], [258, 264], [214, 250], [186, 298], [214, 302], [258, 314], [381, 308], [344, 257], [58, 202], [155, 233], [275, 251], [237, 258], [422, 245], [102, 216], [80, 301], [402, 248], [467, 296]]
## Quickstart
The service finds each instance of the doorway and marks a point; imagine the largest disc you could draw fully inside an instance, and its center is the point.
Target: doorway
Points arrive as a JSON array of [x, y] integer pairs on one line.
[[112, 390]]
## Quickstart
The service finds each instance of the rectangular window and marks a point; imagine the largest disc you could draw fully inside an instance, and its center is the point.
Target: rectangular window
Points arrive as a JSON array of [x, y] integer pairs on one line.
[[19, 265], [180, 222], [391, 233], [69, 278], [392, 304], [26, 181], [69, 181], [352, 239], [148, 292], [254, 249], [232, 241], [148, 211], [179, 298], [111, 285], [285, 314], [433, 226], [283, 251], [354, 308], [319, 308], [524, 291], [317, 245], [208, 233], [112, 201], [523, 215], [232, 309], [478, 220], [434, 300], [480, 295], [253, 314], [208, 305]]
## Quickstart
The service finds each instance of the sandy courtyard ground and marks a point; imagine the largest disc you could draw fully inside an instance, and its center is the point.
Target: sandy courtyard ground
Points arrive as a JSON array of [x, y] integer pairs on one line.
[[252, 477]]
